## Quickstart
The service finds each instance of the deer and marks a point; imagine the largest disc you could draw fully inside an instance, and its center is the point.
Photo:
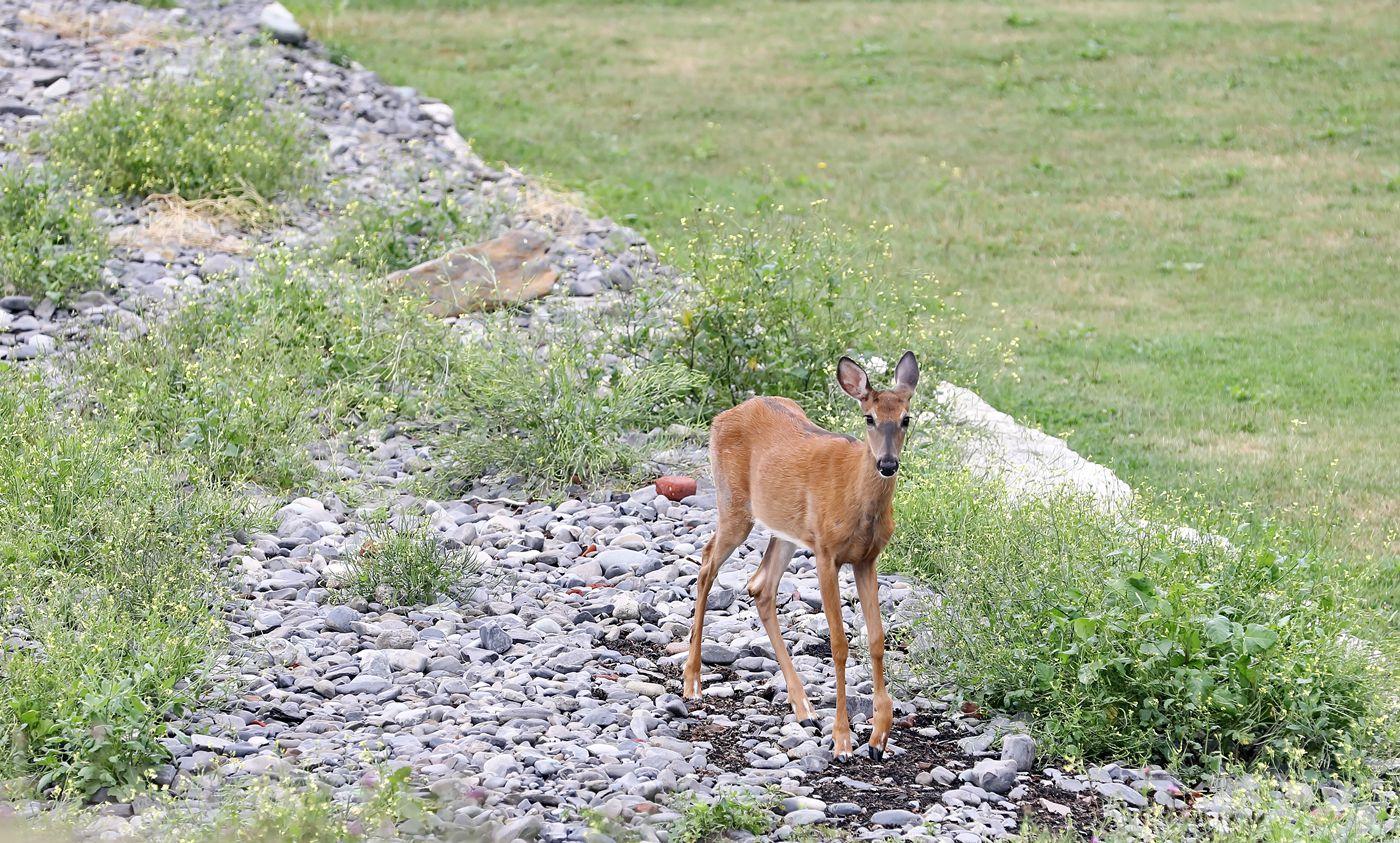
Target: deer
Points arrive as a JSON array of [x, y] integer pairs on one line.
[[830, 493]]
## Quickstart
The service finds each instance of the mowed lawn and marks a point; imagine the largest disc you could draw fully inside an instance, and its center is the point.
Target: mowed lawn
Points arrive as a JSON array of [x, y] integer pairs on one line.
[[1187, 214]]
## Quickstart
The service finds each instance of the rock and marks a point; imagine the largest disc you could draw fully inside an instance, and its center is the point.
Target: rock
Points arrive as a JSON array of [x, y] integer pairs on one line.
[[712, 653], [804, 817], [438, 112], [895, 818], [494, 638], [18, 109], [803, 803], [675, 487], [281, 24], [1121, 792], [994, 776], [1019, 749], [508, 270], [396, 639], [340, 618]]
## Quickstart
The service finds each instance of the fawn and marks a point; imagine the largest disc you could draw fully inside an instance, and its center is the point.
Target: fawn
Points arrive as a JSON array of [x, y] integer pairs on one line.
[[809, 487]]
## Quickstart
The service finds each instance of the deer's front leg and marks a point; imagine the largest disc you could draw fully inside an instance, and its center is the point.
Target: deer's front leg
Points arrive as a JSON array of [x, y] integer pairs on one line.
[[868, 587], [829, 576]]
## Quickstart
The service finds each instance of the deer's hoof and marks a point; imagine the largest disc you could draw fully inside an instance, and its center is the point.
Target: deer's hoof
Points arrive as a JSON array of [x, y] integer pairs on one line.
[[844, 757], [811, 723], [877, 753]]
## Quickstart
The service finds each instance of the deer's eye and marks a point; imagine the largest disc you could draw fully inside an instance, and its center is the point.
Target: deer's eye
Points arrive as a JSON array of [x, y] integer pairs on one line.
[[904, 422], [870, 420]]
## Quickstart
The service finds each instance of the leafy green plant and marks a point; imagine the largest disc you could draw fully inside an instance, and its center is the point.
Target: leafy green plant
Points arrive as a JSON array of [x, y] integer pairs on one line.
[[380, 237], [297, 809], [732, 810], [548, 409], [407, 565], [210, 134], [777, 298], [1250, 810], [105, 581], [50, 244], [1128, 641], [242, 378]]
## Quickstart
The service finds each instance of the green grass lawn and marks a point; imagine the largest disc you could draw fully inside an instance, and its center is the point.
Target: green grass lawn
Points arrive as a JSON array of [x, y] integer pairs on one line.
[[1187, 213]]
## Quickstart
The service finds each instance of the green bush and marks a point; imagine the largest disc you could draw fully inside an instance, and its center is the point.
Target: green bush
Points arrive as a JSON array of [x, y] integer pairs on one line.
[[49, 241], [558, 415], [104, 570], [776, 299], [211, 134], [379, 238], [1128, 643], [733, 810], [408, 565], [241, 379]]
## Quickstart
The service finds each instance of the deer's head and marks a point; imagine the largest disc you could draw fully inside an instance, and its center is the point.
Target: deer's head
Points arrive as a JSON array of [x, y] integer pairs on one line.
[[886, 410]]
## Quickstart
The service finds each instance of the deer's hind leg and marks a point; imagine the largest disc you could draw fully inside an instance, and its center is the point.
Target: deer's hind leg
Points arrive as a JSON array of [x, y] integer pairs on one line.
[[763, 585], [735, 523]]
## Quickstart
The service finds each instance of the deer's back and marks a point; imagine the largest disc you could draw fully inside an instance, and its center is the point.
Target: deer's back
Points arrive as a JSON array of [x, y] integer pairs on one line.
[[769, 458]]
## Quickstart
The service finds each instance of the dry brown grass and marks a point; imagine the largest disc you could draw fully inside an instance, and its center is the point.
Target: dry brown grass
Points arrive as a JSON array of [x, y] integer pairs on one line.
[[121, 28], [169, 222]]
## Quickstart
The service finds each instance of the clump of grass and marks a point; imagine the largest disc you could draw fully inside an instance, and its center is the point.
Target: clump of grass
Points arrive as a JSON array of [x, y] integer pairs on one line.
[[733, 810], [1128, 642], [379, 237], [1253, 810], [243, 379], [551, 410], [106, 589], [776, 298], [407, 565], [211, 134], [50, 244], [298, 809]]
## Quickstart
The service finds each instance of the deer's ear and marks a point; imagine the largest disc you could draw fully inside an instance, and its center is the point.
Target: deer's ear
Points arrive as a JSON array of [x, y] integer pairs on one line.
[[906, 372], [852, 379]]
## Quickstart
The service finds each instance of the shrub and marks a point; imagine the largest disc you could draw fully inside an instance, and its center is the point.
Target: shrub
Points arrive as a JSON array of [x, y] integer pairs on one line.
[[776, 299], [1129, 643], [733, 810], [211, 134], [49, 241], [550, 409], [408, 565], [379, 238], [242, 378], [105, 582]]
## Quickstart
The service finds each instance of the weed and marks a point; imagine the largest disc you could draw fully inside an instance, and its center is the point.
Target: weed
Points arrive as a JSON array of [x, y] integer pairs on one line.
[[300, 809], [406, 565], [242, 378], [547, 409], [104, 577], [211, 134], [1249, 809], [49, 242], [378, 238], [1130, 641], [777, 298], [732, 810]]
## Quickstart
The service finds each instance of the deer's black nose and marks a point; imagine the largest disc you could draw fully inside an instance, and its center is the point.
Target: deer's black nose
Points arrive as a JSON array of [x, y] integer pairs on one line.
[[887, 466]]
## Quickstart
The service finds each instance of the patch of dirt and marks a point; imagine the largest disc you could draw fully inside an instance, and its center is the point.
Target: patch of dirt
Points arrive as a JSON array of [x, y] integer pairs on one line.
[[873, 785]]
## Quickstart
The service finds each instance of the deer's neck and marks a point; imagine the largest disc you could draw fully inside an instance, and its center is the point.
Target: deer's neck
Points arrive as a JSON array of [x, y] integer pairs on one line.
[[872, 493]]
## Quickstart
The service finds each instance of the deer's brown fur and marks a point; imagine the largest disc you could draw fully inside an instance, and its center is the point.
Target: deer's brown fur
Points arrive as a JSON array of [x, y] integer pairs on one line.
[[821, 490]]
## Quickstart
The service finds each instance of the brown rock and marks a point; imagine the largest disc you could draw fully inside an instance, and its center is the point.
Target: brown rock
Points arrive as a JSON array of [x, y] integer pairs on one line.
[[675, 488], [511, 268]]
